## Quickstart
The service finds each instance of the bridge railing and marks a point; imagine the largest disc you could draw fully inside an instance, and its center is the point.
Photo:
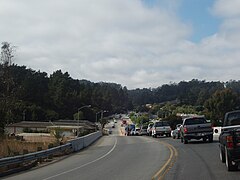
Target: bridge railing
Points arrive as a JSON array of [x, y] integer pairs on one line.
[[72, 146]]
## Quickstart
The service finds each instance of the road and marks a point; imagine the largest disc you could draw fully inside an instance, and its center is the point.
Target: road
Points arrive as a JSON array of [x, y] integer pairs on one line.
[[198, 161], [137, 157], [111, 157]]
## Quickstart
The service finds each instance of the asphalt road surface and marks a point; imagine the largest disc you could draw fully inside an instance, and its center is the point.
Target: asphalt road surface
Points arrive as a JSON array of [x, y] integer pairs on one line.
[[137, 157], [198, 161], [112, 157]]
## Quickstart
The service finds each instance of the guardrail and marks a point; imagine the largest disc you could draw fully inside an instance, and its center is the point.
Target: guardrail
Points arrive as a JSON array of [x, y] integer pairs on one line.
[[73, 145], [33, 156]]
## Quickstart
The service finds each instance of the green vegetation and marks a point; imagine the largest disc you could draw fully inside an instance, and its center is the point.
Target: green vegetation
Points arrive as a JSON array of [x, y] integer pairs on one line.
[[26, 94], [139, 120]]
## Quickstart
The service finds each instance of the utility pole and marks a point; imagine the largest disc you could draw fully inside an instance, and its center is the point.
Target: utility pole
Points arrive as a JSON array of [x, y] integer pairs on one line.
[[24, 114], [86, 106]]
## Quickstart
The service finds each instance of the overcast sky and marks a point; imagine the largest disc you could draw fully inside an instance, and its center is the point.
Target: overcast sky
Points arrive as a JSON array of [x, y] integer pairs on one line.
[[136, 43]]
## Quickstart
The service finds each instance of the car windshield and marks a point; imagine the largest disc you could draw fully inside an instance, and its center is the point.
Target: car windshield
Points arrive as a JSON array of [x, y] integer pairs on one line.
[[131, 127], [161, 123], [150, 125], [233, 119], [178, 125], [193, 121]]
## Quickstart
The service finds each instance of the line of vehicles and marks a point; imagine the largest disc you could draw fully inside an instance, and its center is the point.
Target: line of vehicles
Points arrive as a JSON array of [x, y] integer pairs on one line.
[[155, 129], [199, 128], [132, 130]]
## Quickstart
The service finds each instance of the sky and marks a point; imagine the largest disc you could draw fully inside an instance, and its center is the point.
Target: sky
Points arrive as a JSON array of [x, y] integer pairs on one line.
[[135, 43]]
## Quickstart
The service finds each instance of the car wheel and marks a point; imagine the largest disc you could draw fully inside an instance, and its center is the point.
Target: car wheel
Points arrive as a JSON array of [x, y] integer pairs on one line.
[[204, 139], [222, 155], [229, 165], [181, 140], [185, 141], [210, 139]]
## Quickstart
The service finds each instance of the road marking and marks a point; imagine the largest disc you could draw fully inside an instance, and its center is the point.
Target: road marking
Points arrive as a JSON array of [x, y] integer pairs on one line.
[[170, 162], [65, 172]]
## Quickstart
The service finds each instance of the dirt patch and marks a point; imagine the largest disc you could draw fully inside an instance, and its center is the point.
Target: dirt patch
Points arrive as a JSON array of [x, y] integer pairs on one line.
[[12, 146]]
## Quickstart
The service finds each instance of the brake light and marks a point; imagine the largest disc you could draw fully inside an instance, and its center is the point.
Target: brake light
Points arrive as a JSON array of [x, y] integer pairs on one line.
[[185, 130], [229, 140]]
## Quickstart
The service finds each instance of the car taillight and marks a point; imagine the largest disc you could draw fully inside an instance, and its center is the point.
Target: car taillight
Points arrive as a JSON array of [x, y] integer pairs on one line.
[[185, 130], [212, 126], [229, 140]]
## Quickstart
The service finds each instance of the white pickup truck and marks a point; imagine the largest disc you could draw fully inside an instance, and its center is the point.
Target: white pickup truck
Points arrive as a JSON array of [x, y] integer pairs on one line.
[[161, 128]]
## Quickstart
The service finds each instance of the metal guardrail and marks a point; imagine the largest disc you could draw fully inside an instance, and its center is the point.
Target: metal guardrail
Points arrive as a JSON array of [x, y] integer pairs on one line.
[[74, 145], [33, 156]]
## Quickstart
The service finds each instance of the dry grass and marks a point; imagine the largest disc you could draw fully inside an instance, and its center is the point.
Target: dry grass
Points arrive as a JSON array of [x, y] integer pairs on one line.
[[11, 147]]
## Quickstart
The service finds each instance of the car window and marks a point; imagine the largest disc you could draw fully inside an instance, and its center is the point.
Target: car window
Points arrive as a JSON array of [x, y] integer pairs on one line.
[[178, 125], [193, 121], [161, 123], [233, 119], [150, 125]]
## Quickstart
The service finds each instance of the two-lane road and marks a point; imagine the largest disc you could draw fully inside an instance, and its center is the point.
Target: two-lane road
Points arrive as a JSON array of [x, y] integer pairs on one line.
[[111, 157], [136, 157], [198, 161]]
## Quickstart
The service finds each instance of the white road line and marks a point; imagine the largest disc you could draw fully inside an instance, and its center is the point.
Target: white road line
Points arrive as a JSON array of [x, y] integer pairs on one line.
[[65, 172]]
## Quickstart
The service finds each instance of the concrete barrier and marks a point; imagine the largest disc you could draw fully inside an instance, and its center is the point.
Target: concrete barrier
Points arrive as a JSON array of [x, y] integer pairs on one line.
[[82, 142], [72, 145]]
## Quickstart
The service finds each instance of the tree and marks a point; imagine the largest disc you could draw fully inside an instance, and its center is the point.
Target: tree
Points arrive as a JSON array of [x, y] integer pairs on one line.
[[221, 102], [7, 53], [7, 96]]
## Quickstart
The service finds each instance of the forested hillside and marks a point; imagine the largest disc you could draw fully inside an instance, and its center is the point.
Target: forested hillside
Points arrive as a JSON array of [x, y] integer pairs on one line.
[[26, 94], [194, 92]]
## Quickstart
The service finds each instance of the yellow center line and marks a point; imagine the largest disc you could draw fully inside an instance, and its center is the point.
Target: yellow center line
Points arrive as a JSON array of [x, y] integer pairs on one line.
[[166, 167]]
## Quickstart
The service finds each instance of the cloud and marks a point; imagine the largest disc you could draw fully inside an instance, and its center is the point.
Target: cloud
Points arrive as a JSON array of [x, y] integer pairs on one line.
[[120, 41], [226, 9]]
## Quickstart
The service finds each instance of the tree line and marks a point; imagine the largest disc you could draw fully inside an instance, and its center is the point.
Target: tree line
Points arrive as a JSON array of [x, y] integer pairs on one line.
[[26, 94]]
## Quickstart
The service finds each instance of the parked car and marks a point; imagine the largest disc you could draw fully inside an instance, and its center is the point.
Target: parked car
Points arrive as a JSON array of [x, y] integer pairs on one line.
[[143, 130], [161, 128], [129, 128], [124, 122], [229, 140], [149, 129], [113, 125], [135, 132], [196, 128], [176, 132]]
